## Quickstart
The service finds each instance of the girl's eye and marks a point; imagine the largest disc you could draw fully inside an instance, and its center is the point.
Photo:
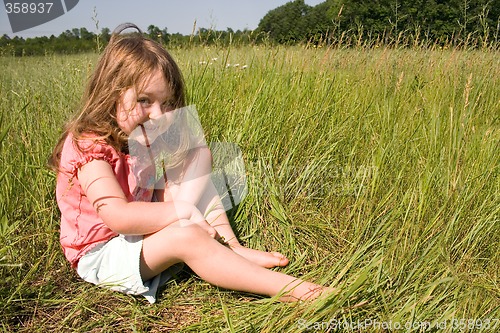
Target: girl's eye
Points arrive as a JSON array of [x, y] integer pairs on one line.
[[143, 101]]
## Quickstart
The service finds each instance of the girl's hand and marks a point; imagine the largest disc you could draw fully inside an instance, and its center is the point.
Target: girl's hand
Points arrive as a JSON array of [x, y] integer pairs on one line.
[[188, 214], [204, 225]]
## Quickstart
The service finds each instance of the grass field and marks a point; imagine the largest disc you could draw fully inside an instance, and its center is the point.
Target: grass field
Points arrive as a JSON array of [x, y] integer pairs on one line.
[[375, 171]]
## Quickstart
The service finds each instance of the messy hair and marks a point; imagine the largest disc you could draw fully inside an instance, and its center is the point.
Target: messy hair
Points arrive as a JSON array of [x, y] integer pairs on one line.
[[126, 61]]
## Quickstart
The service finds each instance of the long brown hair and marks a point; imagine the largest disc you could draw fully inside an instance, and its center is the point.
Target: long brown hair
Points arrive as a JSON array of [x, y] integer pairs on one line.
[[126, 61]]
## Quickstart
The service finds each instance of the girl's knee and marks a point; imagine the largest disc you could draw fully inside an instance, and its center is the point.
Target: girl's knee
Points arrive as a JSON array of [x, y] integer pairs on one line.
[[189, 242], [183, 234], [175, 241]]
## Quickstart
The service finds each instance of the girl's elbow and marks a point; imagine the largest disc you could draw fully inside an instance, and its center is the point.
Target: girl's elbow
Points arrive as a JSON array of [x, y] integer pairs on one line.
[[117, 226], [115, 218]]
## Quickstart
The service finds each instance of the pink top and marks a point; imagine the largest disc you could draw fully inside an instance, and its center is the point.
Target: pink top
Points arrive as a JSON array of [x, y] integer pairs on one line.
[[81, 227]]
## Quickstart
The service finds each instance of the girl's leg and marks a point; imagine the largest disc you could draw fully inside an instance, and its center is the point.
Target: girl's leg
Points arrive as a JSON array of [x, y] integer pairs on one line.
[[217, 264], [210, 205], [208, 202]]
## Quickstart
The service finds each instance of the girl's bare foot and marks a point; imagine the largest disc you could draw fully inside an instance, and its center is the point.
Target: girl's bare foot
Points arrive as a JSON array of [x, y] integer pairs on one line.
[[307, 291], [261, 258]]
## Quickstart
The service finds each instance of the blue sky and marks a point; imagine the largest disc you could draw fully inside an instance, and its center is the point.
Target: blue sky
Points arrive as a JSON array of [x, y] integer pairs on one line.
[[175, 15]]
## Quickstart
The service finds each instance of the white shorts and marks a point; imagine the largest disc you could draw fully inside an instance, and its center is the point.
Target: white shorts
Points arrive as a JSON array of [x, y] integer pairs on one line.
[[115, 265]]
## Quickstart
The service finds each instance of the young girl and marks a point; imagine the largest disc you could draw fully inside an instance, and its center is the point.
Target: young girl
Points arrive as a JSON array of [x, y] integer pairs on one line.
[[130, 239]]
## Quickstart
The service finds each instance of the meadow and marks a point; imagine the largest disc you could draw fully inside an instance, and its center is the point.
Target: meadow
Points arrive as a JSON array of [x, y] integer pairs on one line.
[[375, 171]]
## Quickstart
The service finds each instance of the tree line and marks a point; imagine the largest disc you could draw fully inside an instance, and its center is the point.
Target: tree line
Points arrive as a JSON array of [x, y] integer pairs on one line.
[[385, 21], [80, 40], [473, 23]]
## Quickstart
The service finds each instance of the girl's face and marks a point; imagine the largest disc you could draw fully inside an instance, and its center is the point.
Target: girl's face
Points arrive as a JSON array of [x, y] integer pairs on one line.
[[155, 100]]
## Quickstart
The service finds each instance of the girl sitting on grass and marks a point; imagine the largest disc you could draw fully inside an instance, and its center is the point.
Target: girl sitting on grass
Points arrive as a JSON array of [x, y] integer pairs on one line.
[[133, 240]]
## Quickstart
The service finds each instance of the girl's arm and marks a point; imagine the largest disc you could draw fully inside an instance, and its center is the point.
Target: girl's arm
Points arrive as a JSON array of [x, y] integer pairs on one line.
[[196, 188], [131, 218], [189, 184], [199, 190], [211, 207]]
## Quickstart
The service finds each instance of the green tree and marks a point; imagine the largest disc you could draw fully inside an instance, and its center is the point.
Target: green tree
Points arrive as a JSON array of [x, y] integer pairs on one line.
[[438, 19], [165, 36], [86, 35], [75, 33], [105, 35], [154, 32], [287, 23]]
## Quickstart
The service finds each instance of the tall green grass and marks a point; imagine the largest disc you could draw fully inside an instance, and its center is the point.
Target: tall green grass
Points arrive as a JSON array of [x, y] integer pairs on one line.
[[375, 171]]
